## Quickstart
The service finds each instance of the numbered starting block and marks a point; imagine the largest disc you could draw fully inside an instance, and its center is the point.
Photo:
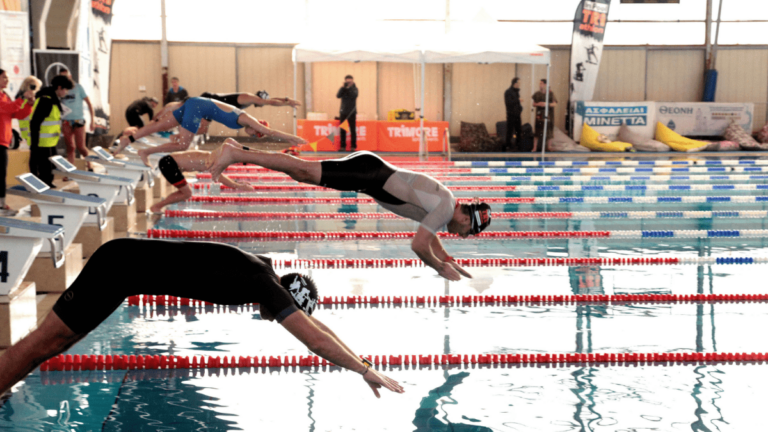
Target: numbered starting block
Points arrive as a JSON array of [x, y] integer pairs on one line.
[[144, 194], [92, 234], [64, 209], [20, 243], [139, 173]]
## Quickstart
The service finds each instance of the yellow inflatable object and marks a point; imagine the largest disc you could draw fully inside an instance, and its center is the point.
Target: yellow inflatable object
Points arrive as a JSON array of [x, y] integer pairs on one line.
[[589, 140], [677, 141]]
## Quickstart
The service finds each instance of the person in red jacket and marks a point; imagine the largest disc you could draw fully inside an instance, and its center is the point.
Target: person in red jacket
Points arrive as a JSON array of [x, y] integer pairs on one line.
[[9, 109]]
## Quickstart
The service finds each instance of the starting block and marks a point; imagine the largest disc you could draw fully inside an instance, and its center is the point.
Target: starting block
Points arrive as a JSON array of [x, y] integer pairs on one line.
[[60, 208], [20, 242], [139, 173]]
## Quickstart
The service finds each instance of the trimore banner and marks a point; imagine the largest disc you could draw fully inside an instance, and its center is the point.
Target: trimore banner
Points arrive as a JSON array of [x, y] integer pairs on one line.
[[704, 118], [587, 47], [607, 117]]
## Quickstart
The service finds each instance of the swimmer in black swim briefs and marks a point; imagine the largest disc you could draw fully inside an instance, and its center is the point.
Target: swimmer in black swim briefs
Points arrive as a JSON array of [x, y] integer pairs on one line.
[[244, 100], [172, 167], [406, 193], [230, 277]]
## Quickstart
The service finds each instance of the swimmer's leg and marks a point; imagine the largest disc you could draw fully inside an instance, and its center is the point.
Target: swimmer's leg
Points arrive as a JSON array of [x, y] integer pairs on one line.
[[182, 194], [168, 122], [172, 168], [231, 152], [51, 338]]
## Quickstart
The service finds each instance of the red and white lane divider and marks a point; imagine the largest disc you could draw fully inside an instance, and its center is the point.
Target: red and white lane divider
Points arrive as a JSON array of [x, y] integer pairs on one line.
[[215, 214], [68, 362], [481, 301]]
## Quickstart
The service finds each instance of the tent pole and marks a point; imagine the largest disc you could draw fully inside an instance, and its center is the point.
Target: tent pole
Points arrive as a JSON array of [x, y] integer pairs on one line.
[[546, 117], [295, 96], [423, 142]]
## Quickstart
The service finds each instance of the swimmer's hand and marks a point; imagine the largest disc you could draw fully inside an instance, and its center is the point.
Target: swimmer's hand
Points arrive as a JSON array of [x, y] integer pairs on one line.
[[298, 140], [377, 380], [244, 187], [459, 269], [447, 271]]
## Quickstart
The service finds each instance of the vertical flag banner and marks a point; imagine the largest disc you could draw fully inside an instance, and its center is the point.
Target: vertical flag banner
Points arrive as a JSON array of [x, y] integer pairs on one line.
[[14, 48], [100, 51], [587, 48]]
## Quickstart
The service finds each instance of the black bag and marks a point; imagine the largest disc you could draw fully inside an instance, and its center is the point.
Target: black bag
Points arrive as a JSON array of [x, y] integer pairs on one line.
[[525, 140]]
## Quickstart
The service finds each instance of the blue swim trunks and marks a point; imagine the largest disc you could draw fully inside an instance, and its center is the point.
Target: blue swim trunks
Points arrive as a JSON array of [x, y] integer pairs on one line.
[[195, 109]]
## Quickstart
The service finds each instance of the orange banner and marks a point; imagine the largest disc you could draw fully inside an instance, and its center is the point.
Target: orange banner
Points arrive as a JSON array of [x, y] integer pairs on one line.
[[404, 136], [318, 130]]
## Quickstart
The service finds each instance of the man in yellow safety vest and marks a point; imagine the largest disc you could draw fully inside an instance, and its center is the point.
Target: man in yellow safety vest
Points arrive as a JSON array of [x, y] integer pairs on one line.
[[45, 127]]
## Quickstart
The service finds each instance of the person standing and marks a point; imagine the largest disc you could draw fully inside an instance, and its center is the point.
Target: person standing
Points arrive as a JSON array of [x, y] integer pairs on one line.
[[514, 109], [539, 101], [45, 127], [30, 83], [73, 119], [9, 109], [348, 95], [138, 108], [176, 93]]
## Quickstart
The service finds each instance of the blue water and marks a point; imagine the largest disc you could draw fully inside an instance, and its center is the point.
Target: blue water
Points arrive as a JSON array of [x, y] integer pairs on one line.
[[712, 397]]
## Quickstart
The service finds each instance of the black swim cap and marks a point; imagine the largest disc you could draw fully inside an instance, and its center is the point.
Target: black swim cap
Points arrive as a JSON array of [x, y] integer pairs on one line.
[[303, 290], [479, 216]]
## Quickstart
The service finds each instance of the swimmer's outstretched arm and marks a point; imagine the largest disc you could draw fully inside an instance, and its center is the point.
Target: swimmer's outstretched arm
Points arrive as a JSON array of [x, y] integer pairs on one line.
[[442, 255], [250, 122], [250, 98], [167, 123], [226, 181], [328, 347], [422, 247]]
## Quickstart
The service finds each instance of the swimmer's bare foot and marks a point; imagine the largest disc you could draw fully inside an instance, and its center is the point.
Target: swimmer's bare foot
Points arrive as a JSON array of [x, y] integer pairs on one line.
[[155, 209], [122, 143], [219, 160], [144, 157]]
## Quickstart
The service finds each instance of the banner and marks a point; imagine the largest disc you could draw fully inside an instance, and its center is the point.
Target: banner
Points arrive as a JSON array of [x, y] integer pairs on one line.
[[14, 49], [704, 118], [607, 117], [318, 130], [587, 48], [403, 136], [97, 54]]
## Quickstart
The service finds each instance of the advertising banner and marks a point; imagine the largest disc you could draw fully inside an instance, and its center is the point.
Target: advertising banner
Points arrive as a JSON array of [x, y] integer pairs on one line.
[[587, 47], [404, 136], [14, 49], [97, 54], [704, 118], [607, 117], [318, 130]]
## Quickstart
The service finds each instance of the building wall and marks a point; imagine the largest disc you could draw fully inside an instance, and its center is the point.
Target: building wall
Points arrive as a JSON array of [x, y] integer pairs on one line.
[[626, 74]]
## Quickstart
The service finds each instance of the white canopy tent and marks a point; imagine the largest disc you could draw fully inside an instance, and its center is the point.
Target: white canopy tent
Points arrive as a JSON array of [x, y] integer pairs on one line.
[[449, 48]]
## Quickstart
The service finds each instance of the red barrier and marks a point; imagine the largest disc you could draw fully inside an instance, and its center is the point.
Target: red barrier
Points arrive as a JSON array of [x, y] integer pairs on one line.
[[364, 235], [329, 200], [306, 188]]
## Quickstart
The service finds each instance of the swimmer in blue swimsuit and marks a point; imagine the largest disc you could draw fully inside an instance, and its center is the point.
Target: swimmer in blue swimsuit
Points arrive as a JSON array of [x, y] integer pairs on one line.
[[190, 115]]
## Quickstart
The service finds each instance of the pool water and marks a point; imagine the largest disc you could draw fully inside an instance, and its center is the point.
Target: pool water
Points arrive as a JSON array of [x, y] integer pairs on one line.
[[699, 397]]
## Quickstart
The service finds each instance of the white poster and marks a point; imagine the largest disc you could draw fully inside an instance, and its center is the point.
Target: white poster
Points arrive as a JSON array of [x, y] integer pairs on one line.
[[704, 118], [587, 48], [98, 53], [607, 117], [14, 49]]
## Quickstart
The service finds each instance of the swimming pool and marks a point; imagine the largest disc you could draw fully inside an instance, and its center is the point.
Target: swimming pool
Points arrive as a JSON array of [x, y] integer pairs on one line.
[[653, 396]]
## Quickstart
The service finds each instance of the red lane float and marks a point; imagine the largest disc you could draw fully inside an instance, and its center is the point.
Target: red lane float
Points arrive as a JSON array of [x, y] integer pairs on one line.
[[308, 188], [480, 301], [329, 200], [264, 170], [68, 362], [341, 216], [365, 235], [280, 177]]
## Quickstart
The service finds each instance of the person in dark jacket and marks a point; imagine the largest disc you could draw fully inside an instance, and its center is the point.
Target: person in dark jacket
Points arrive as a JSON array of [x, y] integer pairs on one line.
[[176, 93], [138, 108], [514, 109], [45, 127], [348, 95]]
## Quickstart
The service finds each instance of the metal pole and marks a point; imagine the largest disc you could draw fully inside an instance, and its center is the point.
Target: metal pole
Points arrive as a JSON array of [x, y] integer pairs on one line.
[[717, 36], [423, 138], [708, 35], [295, 96], [163, 50], [546, 117]]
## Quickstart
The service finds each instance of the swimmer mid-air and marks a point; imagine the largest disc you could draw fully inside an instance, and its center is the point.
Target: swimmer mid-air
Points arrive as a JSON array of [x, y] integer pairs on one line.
[[406, 193], [189, 116], [244, 100], [231, 277]]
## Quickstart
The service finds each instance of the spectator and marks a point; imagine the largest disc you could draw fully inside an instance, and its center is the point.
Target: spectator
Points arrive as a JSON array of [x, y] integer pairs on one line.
[[138, 108], [45, 127], [514, 109], [348, 95], [30, 83], [73, 119], [9, 110], [176, 93], [539, 101]]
